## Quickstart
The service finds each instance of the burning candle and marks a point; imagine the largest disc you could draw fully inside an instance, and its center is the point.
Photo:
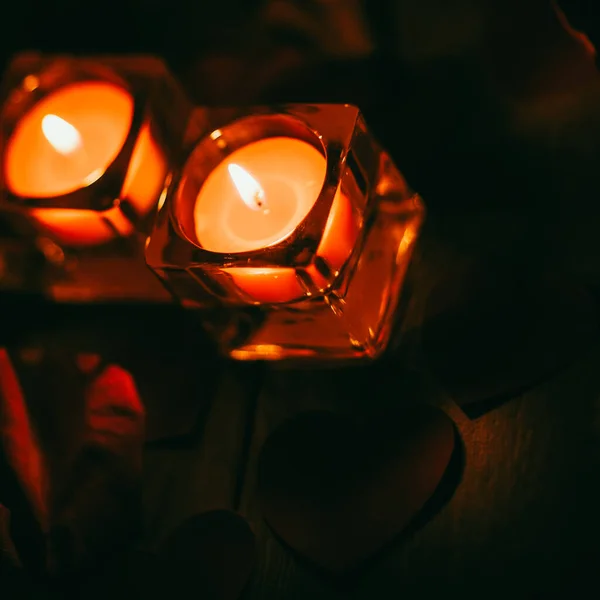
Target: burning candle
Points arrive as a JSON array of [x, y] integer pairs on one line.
[[257, 198], [258, 195], [68, 139], [297, 210], [65, 143]]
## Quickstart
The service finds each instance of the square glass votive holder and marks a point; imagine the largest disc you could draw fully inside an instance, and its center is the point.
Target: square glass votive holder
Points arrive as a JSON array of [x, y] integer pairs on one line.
[[86, 148], [294, 226]]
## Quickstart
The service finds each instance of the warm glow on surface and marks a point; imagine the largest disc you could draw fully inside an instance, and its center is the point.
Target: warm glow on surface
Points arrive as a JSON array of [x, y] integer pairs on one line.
[[63, 137], [79, 227], [248, 188]]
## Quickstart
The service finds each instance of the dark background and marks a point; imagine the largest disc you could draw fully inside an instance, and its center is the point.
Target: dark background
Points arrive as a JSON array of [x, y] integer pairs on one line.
[[446, 64]]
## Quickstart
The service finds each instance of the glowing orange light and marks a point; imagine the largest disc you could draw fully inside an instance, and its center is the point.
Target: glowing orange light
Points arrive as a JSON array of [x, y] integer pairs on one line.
[[63, 137], [248, 188]]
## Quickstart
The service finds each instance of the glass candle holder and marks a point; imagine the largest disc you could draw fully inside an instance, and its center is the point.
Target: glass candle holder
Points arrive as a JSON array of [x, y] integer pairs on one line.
[[295, 226], [86, 152]]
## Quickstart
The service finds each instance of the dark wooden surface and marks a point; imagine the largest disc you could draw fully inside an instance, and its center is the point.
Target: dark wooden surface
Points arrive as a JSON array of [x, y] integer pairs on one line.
[[510, 171]]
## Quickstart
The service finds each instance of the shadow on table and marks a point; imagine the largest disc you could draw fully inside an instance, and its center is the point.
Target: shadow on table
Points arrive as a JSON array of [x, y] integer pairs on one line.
[[341, 491], [438, 501], [494, 330]]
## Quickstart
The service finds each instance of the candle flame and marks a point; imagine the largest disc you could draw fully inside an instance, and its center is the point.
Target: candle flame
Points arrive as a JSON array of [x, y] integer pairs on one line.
[[248, 188], [63, 137]]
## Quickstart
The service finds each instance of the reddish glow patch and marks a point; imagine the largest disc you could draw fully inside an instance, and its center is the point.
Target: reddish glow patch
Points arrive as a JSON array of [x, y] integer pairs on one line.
[[18, 438]]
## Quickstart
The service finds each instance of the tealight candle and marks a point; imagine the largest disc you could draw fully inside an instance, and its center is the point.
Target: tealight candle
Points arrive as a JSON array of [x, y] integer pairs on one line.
[[68, 139], [291, 226], [256, 198], [66, 142], [258, 195]]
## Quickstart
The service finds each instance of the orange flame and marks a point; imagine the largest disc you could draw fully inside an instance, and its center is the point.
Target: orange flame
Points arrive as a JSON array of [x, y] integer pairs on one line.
[[248, 188], [63, 137]]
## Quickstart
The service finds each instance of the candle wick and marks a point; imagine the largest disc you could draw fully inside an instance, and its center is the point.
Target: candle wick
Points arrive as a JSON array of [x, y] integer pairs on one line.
[[259, 199]]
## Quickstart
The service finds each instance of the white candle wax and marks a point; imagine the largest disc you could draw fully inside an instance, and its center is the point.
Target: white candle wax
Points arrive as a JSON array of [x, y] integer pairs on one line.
[[258, 195]]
